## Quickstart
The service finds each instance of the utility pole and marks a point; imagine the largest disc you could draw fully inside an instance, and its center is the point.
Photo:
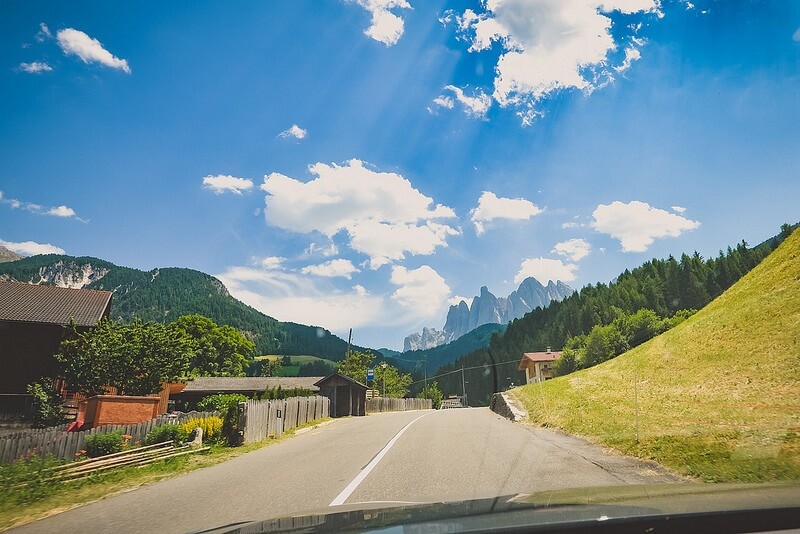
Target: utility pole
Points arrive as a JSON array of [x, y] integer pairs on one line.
[[384, 365], [349, 339], [463, 387], [425, 367]]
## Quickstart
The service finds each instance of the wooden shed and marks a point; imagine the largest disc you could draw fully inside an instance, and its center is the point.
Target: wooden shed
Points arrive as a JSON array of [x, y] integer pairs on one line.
[[347, 396]]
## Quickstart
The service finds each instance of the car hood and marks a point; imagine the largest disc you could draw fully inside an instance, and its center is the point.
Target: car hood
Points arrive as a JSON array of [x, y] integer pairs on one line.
[[773, 506]]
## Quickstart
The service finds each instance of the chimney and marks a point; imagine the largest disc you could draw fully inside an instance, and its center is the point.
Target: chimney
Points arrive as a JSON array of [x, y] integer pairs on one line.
[[548, 350]]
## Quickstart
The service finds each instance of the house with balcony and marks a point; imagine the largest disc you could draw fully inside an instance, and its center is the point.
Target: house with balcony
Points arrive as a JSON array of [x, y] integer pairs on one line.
[[539, 366]]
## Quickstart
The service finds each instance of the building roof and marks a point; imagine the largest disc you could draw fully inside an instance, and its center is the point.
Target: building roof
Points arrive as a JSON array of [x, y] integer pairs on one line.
[[531, 357], [233, 384], [31, 303], [336, 377]]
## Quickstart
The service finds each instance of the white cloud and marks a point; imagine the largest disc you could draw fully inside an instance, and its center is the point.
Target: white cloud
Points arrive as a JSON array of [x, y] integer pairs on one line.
[[58, 211], [678, 209], [384, 216], [36, 67], [569, 225], [631, 54], [315, 249], [491, 207], [573, 249], [636, 224], [223, 182], [444, 101], [420, 295], [550, 45], [294, 131], [88, 49], [31, 248], [474, 106], [272, 263], [544, 269], [387, 242], [796, 36], [332, 269], [61, 211], [420, 291], [288, 296], [386, 27]]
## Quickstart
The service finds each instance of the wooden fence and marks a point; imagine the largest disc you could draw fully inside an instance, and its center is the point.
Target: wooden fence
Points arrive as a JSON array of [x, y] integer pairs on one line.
[[259, 420], [56, 441], [384, 404]]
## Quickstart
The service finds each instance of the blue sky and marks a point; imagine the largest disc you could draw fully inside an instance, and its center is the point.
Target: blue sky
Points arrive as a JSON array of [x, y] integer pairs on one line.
[[366, 163]]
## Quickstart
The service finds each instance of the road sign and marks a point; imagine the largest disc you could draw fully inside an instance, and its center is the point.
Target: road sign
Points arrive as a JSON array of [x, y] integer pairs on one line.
[[370, 374]]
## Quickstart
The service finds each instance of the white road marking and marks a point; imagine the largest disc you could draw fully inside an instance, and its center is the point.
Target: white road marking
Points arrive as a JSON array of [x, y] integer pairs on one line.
[[346, 492]]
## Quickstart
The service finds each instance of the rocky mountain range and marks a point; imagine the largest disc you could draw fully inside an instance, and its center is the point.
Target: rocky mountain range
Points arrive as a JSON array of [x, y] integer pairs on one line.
[[7, 255], [487, 308]]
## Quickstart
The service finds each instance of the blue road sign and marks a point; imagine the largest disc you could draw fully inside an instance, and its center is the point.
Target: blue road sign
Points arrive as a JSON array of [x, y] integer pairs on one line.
[[370, 374]]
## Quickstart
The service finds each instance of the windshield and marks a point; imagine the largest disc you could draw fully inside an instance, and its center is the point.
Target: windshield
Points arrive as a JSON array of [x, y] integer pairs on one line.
[[393, 252]]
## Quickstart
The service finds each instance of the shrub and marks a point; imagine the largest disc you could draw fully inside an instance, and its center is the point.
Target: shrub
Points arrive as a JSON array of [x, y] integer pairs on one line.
[[220, 402], [167, 432], [102, 444], [212, 427], [227, 405], [46, 404]]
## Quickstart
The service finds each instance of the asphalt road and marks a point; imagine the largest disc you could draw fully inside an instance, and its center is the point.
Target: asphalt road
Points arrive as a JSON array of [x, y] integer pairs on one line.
[[420, 456]]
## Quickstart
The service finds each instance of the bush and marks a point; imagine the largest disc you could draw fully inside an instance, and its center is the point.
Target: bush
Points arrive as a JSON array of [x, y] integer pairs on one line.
[[227, 404], [220, 402], [167, 432], [46, 404], [102, 444], [212, 427]]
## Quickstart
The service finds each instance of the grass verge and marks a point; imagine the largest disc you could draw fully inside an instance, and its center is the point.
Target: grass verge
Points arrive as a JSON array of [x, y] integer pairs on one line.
[[38, 500], [716, 398]]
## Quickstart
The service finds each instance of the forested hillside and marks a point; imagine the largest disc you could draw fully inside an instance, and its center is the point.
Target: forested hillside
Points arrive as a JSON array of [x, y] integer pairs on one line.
[[663, 286], [163, 295]]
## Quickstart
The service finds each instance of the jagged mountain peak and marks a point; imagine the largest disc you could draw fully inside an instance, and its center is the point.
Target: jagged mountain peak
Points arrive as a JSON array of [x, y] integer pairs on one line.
[[487, 308]]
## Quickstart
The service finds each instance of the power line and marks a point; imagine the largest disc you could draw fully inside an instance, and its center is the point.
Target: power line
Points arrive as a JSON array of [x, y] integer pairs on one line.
[[465, 369]]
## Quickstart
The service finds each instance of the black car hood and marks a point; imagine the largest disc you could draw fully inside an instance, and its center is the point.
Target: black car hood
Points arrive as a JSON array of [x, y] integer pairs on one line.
[[634, 508]]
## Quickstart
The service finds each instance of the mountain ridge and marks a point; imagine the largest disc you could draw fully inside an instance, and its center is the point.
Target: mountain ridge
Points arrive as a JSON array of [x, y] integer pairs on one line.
[[486, 308], [164, 294]]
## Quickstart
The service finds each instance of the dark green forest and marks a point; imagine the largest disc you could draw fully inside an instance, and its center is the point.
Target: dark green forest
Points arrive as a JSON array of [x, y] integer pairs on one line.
[[163, 295], [665, 287]]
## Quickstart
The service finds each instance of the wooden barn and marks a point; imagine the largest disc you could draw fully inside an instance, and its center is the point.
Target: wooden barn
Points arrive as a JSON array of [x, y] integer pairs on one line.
[[347, 396]]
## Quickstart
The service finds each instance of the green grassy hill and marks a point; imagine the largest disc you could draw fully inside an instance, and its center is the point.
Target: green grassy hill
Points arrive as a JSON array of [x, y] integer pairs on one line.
[[717, 397]]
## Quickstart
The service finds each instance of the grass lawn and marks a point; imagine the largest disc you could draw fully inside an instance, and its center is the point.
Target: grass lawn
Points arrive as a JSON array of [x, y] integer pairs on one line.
[[18, 507], [717, 397]]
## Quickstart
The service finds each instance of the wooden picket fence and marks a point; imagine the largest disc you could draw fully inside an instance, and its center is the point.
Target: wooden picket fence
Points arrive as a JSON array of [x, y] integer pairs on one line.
[[259, 420], [56, 441], [384, 404]]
